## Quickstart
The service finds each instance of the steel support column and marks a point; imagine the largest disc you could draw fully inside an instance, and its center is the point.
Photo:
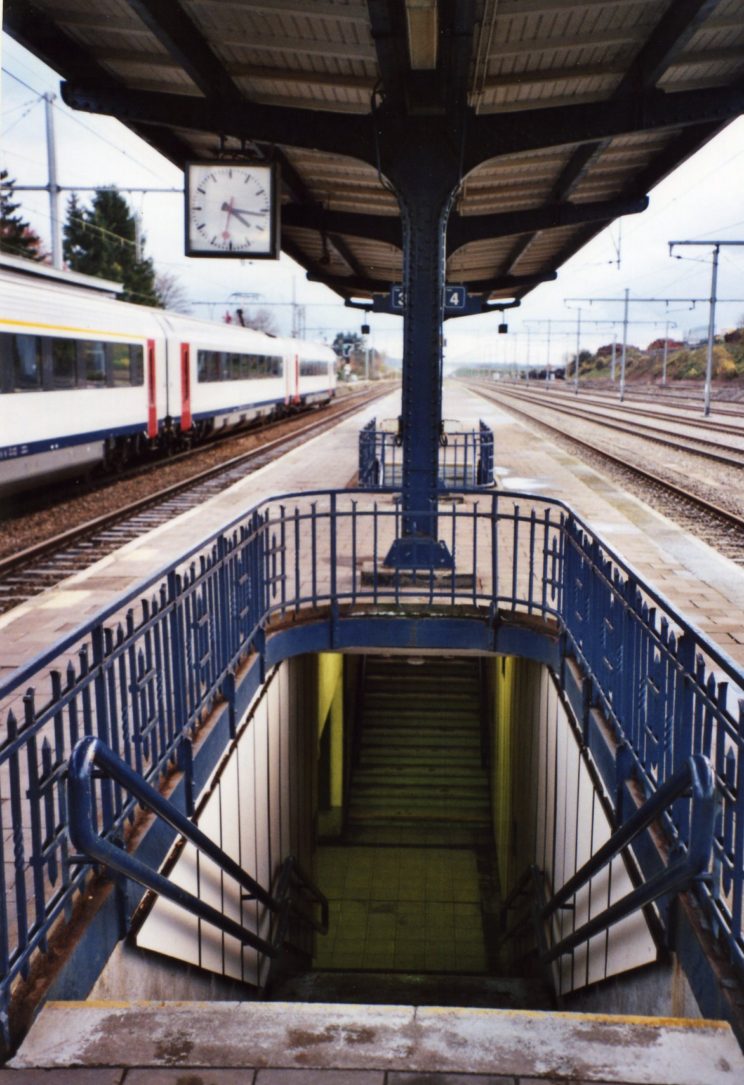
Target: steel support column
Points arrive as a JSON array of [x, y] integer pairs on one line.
[[425, 173]]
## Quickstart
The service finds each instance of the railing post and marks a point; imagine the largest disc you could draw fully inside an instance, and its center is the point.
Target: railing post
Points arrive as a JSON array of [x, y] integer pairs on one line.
[[177, 649], [333, 524]]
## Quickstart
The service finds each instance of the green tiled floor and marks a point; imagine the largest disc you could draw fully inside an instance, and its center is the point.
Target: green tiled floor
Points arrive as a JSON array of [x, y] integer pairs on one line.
[[401, 909]]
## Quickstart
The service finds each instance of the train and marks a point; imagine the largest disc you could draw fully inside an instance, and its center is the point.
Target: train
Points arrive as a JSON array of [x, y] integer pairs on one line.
[[88, 381]]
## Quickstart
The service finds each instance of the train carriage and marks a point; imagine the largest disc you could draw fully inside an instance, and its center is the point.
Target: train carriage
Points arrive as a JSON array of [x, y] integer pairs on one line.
[[87, 380]]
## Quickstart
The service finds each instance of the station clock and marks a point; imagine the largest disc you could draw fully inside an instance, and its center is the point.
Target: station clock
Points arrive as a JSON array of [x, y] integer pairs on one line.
[[232, 209]]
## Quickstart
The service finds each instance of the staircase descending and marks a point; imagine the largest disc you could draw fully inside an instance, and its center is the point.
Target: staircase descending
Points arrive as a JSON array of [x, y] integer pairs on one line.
[[420, 764]]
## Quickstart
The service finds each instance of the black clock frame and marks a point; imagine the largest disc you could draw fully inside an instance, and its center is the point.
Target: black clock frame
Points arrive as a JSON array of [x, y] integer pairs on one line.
[[274, 220]]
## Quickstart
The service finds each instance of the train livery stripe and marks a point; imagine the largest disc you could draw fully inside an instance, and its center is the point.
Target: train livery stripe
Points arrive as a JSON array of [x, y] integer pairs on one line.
[[152, 406], [185, 387], [89, 332]]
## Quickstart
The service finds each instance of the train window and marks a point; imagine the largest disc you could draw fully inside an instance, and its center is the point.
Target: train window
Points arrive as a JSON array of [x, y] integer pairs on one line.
[[64, 358], [26, 355], [120, 364], [93, 364], [313, 369], [136, 364], [208, 365]]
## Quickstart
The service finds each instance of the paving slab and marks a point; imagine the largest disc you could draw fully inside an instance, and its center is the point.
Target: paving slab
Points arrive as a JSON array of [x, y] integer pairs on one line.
[[429, 1040]]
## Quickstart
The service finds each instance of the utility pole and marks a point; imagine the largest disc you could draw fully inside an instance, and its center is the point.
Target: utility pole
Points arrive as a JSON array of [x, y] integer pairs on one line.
[[578, 347], [666, 355], [52, 187], [624, 354], [712, 314], [614, 352], [626, 299]]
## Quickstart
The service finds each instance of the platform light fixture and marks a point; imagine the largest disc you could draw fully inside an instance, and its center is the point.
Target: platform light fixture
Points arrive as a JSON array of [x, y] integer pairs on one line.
[[422, 19]]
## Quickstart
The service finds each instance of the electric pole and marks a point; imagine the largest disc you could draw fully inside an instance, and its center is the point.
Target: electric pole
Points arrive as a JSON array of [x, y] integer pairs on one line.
[[712, 316], [626, 300]]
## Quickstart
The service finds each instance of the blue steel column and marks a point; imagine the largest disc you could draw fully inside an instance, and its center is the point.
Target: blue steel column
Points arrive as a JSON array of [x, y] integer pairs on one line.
[[425, 174]]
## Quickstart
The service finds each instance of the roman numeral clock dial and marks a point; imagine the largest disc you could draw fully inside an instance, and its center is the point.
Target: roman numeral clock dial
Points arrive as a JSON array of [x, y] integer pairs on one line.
[[231, 210]]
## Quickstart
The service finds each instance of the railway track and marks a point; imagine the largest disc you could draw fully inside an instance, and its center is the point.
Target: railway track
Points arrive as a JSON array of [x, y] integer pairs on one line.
[[551, 395], [720, 528], [716, 451], [36, 568]]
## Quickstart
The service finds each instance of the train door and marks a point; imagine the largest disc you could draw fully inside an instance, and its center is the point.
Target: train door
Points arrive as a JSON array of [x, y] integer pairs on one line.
[[152, 391], [185, 387], [296, 378]]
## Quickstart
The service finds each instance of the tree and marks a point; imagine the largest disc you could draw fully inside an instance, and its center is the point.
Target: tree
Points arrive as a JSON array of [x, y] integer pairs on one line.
[[102, 240], [16, 236], [171, 292]]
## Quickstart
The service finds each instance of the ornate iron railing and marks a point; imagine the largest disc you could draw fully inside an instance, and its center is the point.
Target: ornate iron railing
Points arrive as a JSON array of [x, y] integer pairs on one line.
[[465, 456], [145, 672]]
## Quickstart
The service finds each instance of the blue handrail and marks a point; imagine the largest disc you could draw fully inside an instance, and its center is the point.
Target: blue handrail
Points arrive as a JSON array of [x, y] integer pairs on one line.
[[145, 671], [91, 753], [696, 776]]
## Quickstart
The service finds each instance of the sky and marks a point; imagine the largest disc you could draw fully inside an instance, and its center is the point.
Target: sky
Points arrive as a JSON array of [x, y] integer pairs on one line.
[[702, 200]]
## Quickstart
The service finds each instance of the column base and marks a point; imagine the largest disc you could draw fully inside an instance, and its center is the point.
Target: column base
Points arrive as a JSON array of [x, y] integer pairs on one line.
[[419, 552]]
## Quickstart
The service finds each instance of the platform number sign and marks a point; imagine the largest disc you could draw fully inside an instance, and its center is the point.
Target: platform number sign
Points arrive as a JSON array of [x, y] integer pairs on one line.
[[397, 296], [455, 297]]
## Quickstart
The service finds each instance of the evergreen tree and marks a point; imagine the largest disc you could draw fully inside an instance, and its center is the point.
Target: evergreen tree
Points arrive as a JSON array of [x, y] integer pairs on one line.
[[101, 240], [16, 236]]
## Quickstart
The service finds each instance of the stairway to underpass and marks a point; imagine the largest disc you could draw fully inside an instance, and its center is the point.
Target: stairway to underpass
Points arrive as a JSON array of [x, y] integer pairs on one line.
[[412, 885]]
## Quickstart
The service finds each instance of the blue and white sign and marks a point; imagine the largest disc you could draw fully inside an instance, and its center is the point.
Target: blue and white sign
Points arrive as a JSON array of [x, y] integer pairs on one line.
[[397, 296], [455, 297]]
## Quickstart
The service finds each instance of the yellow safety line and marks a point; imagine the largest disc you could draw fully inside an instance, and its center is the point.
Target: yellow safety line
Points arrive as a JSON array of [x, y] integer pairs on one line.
[[64, 328]]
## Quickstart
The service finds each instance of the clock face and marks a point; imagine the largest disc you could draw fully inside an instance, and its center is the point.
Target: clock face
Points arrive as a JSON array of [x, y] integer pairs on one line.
[[230, 210]]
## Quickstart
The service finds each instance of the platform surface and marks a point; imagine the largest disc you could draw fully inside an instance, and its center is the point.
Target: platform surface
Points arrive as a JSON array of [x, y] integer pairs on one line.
[[705, 587], [188, 1043]]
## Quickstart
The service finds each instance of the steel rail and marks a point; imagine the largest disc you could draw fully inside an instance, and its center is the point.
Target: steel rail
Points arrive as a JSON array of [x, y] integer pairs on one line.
[[708, 507], [641, 430], [597, 399]]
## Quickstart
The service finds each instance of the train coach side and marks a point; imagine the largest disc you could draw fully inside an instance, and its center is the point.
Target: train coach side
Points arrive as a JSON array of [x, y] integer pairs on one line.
[[312, 372], [224, 375], [82, 380]]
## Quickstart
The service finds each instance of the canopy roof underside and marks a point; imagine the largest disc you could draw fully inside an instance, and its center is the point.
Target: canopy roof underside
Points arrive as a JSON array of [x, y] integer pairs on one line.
[[568, 112]]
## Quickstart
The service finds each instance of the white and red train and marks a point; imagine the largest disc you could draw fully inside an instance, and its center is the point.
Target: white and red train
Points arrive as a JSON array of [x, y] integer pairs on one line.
[[87, 380]]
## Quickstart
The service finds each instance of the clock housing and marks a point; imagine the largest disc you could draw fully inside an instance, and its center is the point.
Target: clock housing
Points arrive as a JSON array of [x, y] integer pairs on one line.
[[232, 210]]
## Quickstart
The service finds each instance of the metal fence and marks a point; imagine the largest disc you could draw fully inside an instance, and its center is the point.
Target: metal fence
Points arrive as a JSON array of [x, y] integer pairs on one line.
[[146, 672], [465, 456]]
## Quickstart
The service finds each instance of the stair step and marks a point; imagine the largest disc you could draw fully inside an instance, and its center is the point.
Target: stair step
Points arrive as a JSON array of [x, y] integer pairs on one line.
[[433, 773], [413, 989], [467, 789]]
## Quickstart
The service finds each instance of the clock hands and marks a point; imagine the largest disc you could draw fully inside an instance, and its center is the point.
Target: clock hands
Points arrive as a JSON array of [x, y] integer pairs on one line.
[[229, 208], [240, 213]]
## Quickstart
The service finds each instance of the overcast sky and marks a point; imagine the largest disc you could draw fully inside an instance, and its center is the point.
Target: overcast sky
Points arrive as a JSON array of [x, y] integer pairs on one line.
[[703, 199]]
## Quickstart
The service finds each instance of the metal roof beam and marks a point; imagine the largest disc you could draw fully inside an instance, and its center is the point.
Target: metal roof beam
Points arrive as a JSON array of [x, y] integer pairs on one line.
[[490, 136], [462, 229], [312, 129], [388, 29], [173, 28], [673, 31], [465, 229], [367, 285]]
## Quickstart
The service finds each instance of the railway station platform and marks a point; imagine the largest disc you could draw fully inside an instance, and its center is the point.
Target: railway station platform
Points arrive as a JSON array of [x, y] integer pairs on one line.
[[706, 587], [302, 561]]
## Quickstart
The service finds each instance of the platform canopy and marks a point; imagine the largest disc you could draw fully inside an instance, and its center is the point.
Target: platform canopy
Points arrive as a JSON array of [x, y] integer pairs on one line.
[[564, 113]]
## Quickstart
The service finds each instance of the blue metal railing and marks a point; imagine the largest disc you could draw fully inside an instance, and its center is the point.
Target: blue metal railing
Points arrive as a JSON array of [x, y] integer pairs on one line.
[[694, 781], [465, 456], [144, 674], [92, 754]]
